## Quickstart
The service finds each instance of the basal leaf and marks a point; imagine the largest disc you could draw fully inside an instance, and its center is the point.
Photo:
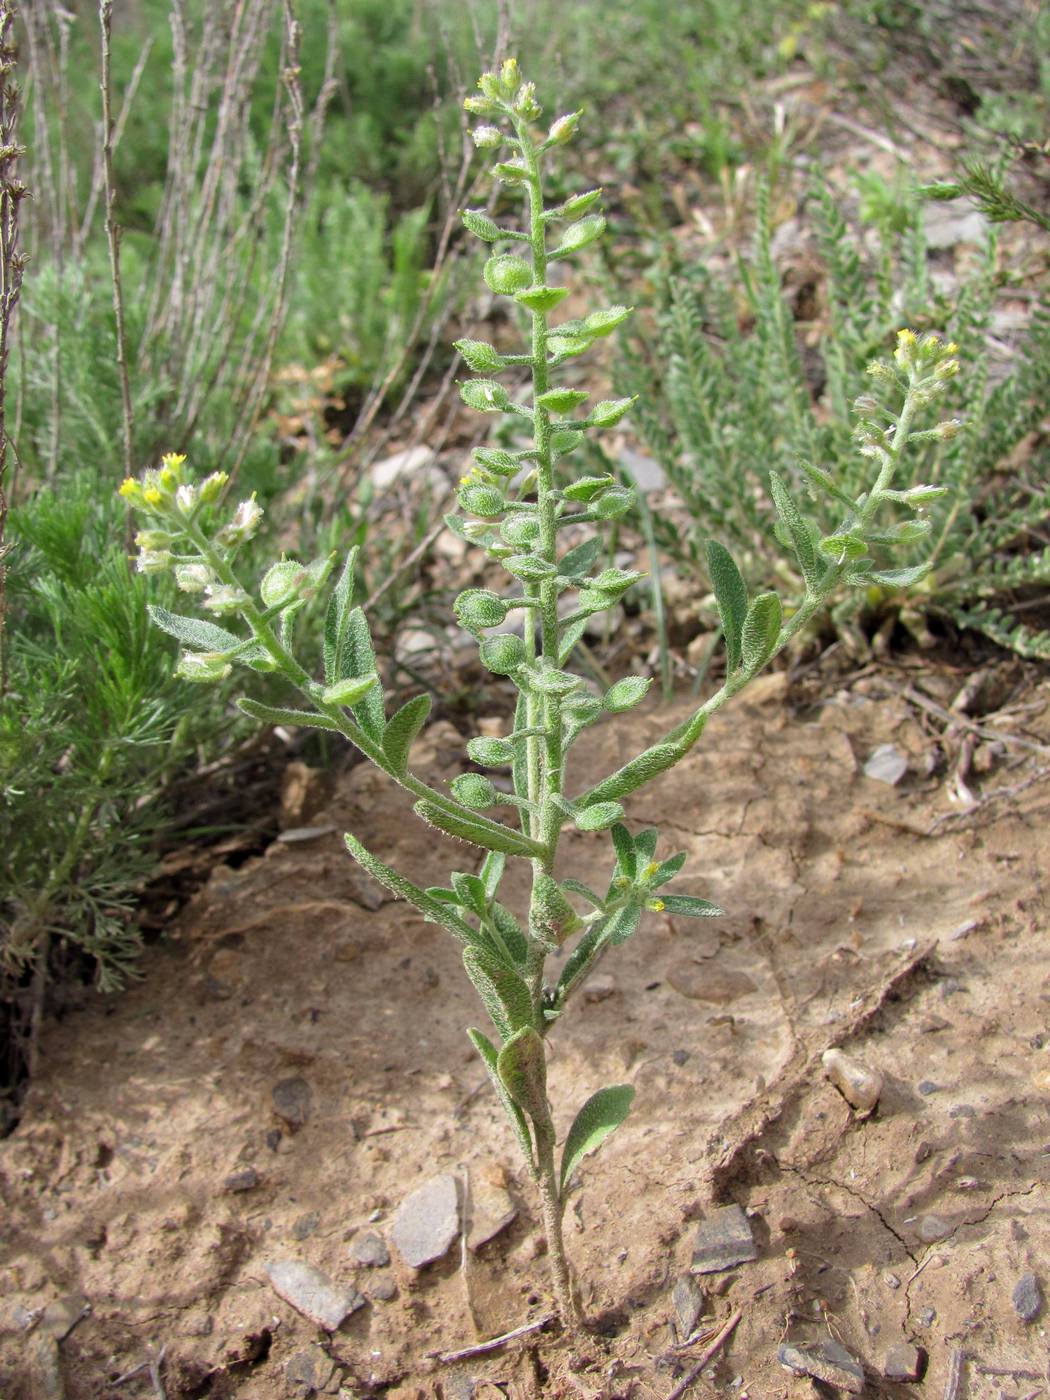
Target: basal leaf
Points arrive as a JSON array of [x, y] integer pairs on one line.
[[600, 1115]]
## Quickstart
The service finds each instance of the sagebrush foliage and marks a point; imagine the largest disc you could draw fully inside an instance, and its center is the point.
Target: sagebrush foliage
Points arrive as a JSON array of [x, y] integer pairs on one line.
[[721, 402]]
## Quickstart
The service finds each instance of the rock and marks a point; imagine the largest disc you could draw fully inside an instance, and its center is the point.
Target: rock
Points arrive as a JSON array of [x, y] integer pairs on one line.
[[722, 1240], [932, 1228], [826, 1361], [304, 1225], [1027, 1298], [492, 1207], [244, 1180], [427, 1221], [313, 1293], [296, 834], [60, 1317], [292, 1101], [719, 985], [198, 1323], [304, 791], [309, 1370], [904, 1362], [369, 1250], [950, 222], [599, 987], [680, 1057], [415, 641], [382, 1289], [365, 891], [415, 464], [858, 1085], [927, 1087], [45, 1372], [688, 1298], [886, 764]]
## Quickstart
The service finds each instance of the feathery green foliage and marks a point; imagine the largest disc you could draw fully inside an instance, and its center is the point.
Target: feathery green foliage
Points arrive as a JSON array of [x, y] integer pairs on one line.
[[721, 405], [516, 500]]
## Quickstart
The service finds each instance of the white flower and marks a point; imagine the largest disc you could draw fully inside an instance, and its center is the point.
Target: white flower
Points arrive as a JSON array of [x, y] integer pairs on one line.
[[193, 578]]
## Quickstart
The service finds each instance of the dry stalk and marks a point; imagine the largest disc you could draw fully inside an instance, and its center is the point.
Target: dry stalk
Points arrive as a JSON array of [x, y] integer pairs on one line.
[[105, 19]]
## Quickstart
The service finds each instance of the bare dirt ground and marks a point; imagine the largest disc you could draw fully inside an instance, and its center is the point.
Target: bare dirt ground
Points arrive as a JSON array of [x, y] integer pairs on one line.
[[152, 1180]]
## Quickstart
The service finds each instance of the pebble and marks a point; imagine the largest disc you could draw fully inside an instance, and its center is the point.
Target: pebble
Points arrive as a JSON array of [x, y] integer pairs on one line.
[[416, 463], [680, 1057], [891, 1280], [304, 1226], [962, 1110], [720, 985], [904, 1362], [599, 987], [886, 764], [292, 1101], [61, 1316], [927, 1087], [313, 1293], [382, 1289], [722, 1240], [1027, 1297], [648, 475], [427, 1221], [932, 1228], [688, 1298], [369, 1250], [245, 1180], [492, 1207], [309, 1370], [858, 1085], [826, 1361]]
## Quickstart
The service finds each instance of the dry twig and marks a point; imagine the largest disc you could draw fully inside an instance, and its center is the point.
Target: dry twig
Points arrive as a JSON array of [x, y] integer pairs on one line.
[[494, 1343], [696, 1372]]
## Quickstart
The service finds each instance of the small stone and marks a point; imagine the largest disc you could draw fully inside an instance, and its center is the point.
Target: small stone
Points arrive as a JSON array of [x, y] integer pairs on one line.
[[891, 1281], [382, 1289], [304, 1226], [245, 1180], [904, 1362], [927, 1087], [599, 987], [722, 1240], [309, 1370], [313, 1293], [296, 834], [858, 1085], [932, 1228], [198, 1323], [680, 1057], [427, 1221], [61, 1316], [1027, 1298], [648, 475], [292, 1101], [962, 1110], [720, 985], [688, 1298], [414, 463], [826, 1361], [928, 1317], [45, 1371], [369, 1250], [492, 1207], [886, 764]]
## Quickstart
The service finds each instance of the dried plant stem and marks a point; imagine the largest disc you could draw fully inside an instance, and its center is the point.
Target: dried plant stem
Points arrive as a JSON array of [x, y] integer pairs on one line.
[[105, 18], [12, 192]]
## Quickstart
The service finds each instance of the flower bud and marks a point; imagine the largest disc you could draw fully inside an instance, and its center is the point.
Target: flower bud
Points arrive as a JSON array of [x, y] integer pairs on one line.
[[510, 77], [186, 499], [486, 136], [280, 584], [193, 578], [153, 539], [203, 667], [225, 598], [244, 524], [211, 487], [475, 790], [564, 129], [153, 561]]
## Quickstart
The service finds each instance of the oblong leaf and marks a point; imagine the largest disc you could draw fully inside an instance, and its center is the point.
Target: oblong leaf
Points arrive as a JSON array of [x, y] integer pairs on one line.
[[401, 732], [522, 1066], [761, 631], [429, 907], [623, 923], [489, 835], [273, 714], [195, 632], [690, 906], [623, 845], [356, 657], [633, 775], [504, 995], [731, 597], [489, 1054], [336, 618], [600, 1115], [801, 541]]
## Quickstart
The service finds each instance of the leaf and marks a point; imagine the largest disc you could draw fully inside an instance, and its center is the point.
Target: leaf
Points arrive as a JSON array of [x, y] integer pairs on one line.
[[349, 693], [491, 872], [579, 235], [820, 478], [480, 225], [357, 658], [761, 632], [626, 693], [691, 907], [503, 993], [731, 597], [337, 619], [623, 923], [509, 930], [633, 775], [598, 816], [271, 714], [488, 1053], [667, 870], [522, 1066], [791, 518], [577, 561], [570, 635], [195, 632], [578, 887], [552, 918], [623, 845], [479, 830], [893, 578], [470, 892], [429, 907], [400, 734], [600, 1115]]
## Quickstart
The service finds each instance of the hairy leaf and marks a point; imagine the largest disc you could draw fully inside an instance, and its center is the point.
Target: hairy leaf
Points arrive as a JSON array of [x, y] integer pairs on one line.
[[479, 830], [195, 632], [521, 1065], [731, 597], [623, 923], [489, 1054], [623, 845], [271, 714], [633, 775], [689, 906], [504, 995], [337, 621], [761, 631], [600, 1115], [433, 910], [400, 734], [791, 518]]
